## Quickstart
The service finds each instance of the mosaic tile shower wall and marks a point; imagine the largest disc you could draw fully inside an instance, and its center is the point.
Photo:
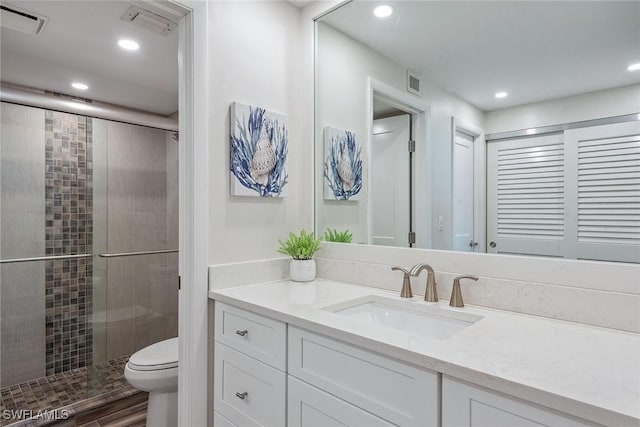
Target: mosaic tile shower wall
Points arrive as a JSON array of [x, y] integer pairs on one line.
[[69, 230]]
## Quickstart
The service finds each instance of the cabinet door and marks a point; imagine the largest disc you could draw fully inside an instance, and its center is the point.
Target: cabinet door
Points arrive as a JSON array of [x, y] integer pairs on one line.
[[467, 405], [312, 407], [248, 392], [403, 394], [220, 421]]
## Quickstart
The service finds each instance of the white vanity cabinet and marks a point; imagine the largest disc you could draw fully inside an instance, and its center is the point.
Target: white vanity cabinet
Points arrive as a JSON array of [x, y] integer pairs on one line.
[[464, 404], [329, 382], [268, 373], [388, 389], [250, 369], [309, 406]]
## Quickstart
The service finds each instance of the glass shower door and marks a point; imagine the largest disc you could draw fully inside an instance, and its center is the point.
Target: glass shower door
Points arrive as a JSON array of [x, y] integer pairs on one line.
[[46, 259], [88, 253], [136, 169]]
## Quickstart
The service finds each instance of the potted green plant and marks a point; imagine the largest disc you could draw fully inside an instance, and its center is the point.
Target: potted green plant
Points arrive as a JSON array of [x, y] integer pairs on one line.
[[301, 248], [338, 236]]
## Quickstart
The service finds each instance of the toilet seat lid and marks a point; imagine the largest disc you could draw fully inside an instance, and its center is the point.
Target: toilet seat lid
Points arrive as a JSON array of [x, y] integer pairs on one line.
[[161, 355]]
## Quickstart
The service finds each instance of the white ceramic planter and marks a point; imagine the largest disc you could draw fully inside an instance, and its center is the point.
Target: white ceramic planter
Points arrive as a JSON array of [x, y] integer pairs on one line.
[[302, 270]]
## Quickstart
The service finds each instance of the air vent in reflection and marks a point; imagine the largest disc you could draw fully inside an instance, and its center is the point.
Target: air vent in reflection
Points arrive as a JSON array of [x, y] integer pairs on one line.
[[149, 20], [18, 19], [413, 82]]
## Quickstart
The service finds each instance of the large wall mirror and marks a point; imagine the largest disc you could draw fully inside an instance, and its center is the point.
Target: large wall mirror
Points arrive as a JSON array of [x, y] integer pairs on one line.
[[500, 127]]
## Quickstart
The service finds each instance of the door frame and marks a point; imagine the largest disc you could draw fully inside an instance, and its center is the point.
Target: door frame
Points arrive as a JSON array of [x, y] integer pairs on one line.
[[479, 180], [420, 113], [193, 214]]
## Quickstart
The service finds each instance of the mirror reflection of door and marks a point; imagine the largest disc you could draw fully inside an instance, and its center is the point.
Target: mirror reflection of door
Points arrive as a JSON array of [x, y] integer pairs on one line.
[[390, 181], [463, 175], [525, 196], [572, 194]]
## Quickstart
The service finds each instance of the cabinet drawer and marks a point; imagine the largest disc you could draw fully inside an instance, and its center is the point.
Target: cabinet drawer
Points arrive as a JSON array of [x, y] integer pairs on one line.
[[312, 407], [469, 405], [397, 392], [248, 392], [249, 333], [220, 421]]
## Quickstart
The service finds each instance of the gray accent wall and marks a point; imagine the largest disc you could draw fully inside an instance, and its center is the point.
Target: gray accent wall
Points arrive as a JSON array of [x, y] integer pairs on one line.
[[22, 234], [142, 293]]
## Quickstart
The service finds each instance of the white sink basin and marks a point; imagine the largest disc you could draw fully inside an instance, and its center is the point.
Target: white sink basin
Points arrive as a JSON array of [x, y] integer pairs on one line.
[[411, 316]]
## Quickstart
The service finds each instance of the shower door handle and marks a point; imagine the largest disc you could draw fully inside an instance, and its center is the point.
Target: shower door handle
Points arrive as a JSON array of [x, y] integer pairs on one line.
[[44, 258], [121, 254]]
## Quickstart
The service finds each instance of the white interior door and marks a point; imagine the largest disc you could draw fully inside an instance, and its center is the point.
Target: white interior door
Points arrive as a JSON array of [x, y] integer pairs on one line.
[[525, 196], [390, 181], [573, 195], [463, 175], [603, 204]]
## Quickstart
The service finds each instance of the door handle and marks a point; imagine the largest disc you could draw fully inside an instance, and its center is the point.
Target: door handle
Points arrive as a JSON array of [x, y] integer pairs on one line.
[[242, 333], [492, 244], [473, 244], [242, 395]]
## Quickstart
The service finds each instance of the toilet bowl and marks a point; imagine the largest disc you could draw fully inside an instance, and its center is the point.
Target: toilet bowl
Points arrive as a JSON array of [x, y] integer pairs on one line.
[[155, 369]]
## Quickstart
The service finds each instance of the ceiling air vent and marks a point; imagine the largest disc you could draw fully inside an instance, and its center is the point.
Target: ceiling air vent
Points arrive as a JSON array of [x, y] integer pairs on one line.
[[413, 82], [149, 20], [18, 19]]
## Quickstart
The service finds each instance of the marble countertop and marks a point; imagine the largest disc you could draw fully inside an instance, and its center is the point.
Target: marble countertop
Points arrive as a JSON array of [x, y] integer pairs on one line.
[[589, 372]]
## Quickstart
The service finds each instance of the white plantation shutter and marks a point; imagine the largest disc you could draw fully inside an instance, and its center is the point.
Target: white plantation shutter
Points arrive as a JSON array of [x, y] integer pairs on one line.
[[606, 166], [574, 195], [526, 195]]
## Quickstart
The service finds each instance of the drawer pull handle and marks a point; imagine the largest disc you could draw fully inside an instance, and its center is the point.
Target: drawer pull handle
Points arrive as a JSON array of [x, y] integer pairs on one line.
[[242, 395], [242, 333]]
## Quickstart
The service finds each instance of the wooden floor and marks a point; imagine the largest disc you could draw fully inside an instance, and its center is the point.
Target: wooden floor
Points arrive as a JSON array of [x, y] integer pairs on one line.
[[98, 386], [128, 412], [135, 416]]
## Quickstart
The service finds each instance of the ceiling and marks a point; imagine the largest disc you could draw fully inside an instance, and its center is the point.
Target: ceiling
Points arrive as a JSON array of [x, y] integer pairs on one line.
[[79, 43], [534, 50]]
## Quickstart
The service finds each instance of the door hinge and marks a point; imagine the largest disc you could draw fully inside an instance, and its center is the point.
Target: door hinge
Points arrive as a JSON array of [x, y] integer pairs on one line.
[[412, 146], [412, 237], [179, 282]]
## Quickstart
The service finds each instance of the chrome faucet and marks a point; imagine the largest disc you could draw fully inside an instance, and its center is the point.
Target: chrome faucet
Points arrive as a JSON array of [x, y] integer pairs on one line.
[[431, 293], [456, 293], [406, 283]]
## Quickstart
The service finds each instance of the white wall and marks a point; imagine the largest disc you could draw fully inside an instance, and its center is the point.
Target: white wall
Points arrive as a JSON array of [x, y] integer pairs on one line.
[[255, 59], [343, 66], [594, 105]]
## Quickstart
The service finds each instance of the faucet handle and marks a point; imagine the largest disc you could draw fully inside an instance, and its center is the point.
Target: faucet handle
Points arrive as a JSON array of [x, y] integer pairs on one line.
[[406, 283], [456, 293]]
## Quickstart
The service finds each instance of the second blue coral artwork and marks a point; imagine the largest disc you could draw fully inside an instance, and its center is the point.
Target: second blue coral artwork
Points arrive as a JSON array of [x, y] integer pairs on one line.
[[342, 165], [259, 143]]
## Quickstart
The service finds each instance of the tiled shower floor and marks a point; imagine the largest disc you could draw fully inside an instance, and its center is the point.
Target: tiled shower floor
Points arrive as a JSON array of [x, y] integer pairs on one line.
[[74, 391]]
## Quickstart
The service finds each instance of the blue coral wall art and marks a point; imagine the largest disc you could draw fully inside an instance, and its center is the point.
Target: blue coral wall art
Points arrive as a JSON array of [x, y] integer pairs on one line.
[[342, 165], [258, 147]]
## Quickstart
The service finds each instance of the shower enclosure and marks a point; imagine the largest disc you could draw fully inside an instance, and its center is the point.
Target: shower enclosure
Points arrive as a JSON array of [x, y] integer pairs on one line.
[[88, 254]]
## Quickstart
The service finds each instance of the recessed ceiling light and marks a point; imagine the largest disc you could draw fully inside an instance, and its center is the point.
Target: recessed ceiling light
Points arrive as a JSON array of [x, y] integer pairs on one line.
[[128, 44], [383, 11], [501, 94], [634, 67], [79, 86]]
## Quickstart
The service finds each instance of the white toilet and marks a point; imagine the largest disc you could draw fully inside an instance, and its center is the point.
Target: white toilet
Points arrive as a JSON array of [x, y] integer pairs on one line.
[[155, 369]]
